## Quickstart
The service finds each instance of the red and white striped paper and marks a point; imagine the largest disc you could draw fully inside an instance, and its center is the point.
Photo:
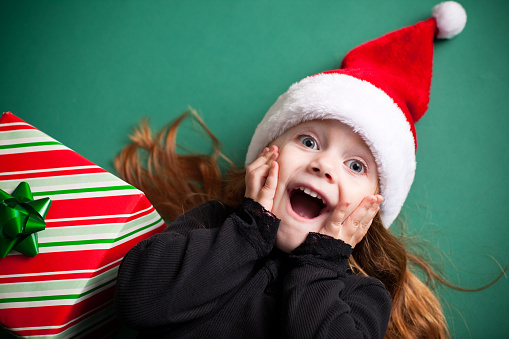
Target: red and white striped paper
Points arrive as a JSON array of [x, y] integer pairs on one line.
[[95, 218]]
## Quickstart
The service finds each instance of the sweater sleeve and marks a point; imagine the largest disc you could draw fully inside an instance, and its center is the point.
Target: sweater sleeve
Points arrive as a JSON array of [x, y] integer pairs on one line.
[[323, 301], [175, 277]]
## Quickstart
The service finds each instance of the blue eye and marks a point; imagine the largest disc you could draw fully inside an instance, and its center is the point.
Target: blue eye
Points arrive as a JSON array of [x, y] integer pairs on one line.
[[308, 141], [356, 166]]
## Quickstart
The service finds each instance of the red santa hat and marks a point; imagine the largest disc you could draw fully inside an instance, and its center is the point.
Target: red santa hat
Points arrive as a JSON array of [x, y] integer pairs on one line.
[[380, 90]]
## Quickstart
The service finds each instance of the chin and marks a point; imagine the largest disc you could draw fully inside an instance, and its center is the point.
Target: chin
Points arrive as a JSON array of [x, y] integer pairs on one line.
[[294, 228], [290, 236], [286, 246]]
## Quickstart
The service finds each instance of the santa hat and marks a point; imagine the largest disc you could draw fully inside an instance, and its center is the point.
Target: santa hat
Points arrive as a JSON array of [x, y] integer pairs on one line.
[[380, 90]]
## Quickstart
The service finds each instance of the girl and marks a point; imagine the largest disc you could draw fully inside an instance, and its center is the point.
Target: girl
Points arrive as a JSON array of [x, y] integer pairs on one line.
[[299, 245]]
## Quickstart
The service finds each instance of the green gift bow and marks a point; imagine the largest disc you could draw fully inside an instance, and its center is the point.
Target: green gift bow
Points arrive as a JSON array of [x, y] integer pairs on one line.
[[21, 217]]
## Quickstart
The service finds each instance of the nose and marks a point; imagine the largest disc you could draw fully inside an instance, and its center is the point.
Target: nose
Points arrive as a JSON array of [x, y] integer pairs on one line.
[[323, 166]]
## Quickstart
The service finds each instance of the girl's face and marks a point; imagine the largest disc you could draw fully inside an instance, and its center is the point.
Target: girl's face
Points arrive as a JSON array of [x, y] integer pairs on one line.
[[322, 163]]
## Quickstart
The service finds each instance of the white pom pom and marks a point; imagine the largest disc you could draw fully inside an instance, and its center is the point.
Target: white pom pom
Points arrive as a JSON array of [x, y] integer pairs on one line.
[[451, 19]]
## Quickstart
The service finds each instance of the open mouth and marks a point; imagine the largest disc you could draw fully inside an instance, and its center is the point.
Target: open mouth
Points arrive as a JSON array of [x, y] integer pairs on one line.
[[307, 203]]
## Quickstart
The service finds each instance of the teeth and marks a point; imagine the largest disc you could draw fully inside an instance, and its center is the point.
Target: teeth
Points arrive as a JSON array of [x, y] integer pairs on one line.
[[309, 192], [312, 193]]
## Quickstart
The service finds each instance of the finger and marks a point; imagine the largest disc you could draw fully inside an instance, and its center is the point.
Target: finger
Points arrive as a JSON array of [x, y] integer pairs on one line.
[[262, 159], [272, 177], [261, 177], [366, 209], [371, 209], [268, 190], [335, 223], [256, 179], [259, 165], [358, 223], [272, 155]]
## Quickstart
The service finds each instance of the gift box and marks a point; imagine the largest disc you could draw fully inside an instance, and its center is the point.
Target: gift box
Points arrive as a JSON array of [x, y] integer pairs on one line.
[[64, 287]]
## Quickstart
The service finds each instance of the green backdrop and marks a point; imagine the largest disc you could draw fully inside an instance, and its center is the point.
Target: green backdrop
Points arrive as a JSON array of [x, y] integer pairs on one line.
[[85, 72]]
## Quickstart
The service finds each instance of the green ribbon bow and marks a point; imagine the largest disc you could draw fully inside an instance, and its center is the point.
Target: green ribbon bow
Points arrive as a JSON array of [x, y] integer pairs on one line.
[[21, 217]]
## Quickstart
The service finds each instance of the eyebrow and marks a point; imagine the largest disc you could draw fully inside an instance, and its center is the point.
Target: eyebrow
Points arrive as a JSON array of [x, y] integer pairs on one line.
[[309, 128]]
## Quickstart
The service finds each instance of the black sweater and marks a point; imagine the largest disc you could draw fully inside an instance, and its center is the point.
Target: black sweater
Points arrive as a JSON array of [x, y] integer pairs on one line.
[[215, 273]]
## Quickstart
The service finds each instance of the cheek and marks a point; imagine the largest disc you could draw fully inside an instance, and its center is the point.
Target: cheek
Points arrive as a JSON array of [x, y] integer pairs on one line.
[[284, 173], [360, 191], [279, 207], [284, 176]]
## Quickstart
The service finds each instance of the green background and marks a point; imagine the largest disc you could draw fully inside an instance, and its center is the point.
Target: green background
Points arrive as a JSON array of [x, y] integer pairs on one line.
[[85, 72]]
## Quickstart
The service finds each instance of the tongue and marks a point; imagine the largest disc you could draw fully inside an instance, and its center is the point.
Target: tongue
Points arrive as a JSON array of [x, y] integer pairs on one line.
[[304, 205]]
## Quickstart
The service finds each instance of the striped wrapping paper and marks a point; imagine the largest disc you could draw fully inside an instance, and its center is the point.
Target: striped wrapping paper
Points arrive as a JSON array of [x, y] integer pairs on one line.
[[66, 290]]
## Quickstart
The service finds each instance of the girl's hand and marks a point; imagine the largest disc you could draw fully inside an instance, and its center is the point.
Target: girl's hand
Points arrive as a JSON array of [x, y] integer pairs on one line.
[[353, 228], [261, 178]]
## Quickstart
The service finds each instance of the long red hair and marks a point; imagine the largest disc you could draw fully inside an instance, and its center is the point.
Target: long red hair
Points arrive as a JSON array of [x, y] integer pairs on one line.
[[175, 183]]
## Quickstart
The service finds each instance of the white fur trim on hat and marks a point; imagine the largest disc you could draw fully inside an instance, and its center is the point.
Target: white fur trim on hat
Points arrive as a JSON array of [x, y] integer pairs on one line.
[[368, 110]]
